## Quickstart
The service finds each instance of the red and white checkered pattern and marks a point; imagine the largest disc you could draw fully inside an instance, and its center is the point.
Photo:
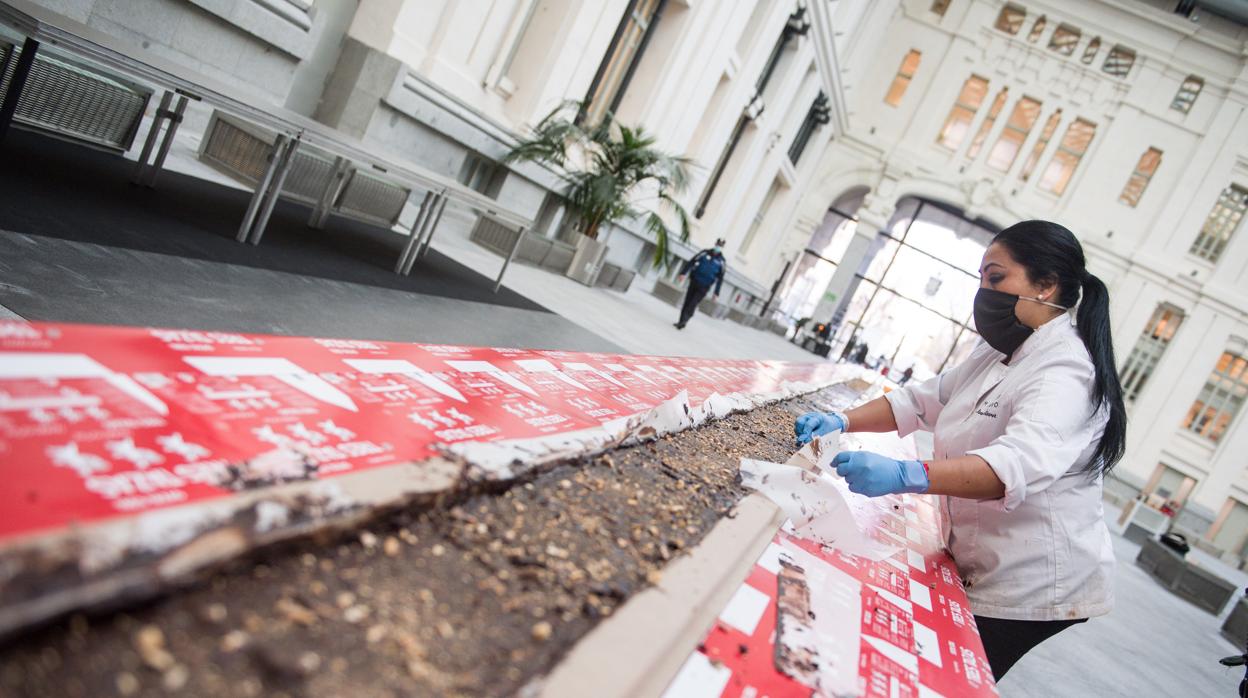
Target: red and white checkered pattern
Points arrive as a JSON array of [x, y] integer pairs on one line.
[[916, 636]]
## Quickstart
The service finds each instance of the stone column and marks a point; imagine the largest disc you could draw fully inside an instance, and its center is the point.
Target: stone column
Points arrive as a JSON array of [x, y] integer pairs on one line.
[[311, 75], [364, 71], [355, 88]]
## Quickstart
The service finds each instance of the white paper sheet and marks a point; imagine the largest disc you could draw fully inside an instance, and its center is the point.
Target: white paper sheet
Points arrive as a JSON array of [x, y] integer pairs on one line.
[[819, 505], [834, 603], [817, 455]]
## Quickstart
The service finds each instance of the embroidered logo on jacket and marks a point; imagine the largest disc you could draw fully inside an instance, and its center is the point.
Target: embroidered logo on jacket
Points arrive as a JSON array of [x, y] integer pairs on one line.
[[984, 411]]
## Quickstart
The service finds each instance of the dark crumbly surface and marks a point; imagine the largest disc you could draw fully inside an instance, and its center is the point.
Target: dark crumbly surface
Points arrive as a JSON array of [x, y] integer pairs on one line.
[[477, 596]]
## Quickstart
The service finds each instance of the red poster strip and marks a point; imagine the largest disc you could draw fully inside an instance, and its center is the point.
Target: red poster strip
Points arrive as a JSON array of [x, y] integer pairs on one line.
[[103, 422], [916, 634]]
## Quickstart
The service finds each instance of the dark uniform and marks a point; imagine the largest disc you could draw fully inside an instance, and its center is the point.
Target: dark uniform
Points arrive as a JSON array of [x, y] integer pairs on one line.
[[705, 269]]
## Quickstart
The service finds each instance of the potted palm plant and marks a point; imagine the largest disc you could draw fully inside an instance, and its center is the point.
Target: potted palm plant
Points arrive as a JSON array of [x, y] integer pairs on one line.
[[610, 172]]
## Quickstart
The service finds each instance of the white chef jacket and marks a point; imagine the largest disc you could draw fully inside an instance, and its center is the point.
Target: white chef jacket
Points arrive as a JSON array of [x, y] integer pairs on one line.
[[1041, 552]]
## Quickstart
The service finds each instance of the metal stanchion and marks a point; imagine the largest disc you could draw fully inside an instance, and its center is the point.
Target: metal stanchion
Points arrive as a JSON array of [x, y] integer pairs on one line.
[[413, 235], [275, 190], [262, 187], [175, 119], [153, 132], [519, 239]]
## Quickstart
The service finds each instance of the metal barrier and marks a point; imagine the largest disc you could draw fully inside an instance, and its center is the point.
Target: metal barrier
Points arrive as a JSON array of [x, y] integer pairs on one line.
[[1235, 628], [1185, 579], [244, 152], [738, 316], [372, 198], [67, 100], [494, 234], [710, 306], [669, 292], [545, 252], [615, 277]]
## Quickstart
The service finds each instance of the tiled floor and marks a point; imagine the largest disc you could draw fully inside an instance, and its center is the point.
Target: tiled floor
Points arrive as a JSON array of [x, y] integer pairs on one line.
[[637, 321], [1152, 644]]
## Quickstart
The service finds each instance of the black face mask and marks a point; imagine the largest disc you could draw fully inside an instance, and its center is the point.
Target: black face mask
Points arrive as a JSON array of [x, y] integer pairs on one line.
[[996, 322]]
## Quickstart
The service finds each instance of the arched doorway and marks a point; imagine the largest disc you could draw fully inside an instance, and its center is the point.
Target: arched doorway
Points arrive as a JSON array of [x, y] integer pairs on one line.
[[807, 282], [910, 303]]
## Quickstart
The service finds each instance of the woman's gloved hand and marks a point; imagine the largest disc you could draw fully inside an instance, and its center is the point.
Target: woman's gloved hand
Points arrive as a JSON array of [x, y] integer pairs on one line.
[[875, 475], [813, 424]]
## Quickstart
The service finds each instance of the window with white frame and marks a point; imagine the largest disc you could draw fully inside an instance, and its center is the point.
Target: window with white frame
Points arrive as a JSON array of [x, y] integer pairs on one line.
[[1089, 51], [1010, 19], [1066, 159], [1037, 150], [1223, 395], [1169, 485], [616, 69], [1149, 349], [1145, 168], [982, 134], [1189, 90], [958, 123], [1119, 61], [1230, 530], [1010, 142], [1064, 39], [1037, 29], [1227, 214], [901, 81]]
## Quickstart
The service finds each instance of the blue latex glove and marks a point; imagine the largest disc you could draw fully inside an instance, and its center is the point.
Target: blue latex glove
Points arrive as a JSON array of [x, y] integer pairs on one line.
[[875, 475], [813, 424]]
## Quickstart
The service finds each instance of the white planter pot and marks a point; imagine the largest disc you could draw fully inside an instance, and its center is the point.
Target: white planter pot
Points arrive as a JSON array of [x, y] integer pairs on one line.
[[587, 260]]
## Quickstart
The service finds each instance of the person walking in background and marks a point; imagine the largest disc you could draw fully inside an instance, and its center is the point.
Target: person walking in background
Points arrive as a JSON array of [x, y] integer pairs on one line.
[[704, 269], [906, 375]]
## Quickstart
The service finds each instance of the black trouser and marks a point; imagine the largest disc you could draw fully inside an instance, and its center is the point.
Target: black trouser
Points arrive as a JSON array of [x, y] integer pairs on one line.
[[693, 296], [1006, 641]]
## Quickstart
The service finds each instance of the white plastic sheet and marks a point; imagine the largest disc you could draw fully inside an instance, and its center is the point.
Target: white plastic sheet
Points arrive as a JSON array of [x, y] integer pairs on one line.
[[816, 501]]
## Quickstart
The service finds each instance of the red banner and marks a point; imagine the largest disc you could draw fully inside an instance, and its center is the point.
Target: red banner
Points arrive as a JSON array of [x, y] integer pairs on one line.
[[100, 422]]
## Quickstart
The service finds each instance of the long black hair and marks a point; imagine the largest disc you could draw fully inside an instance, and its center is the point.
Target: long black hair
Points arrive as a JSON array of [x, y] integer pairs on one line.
[[1051, 253]]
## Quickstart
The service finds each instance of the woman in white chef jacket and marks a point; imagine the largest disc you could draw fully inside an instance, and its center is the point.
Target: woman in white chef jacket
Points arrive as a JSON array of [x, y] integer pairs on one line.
[[1024, 429]]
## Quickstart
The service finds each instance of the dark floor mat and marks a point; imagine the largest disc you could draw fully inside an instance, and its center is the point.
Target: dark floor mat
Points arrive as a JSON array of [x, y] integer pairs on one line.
[[57, 189]]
